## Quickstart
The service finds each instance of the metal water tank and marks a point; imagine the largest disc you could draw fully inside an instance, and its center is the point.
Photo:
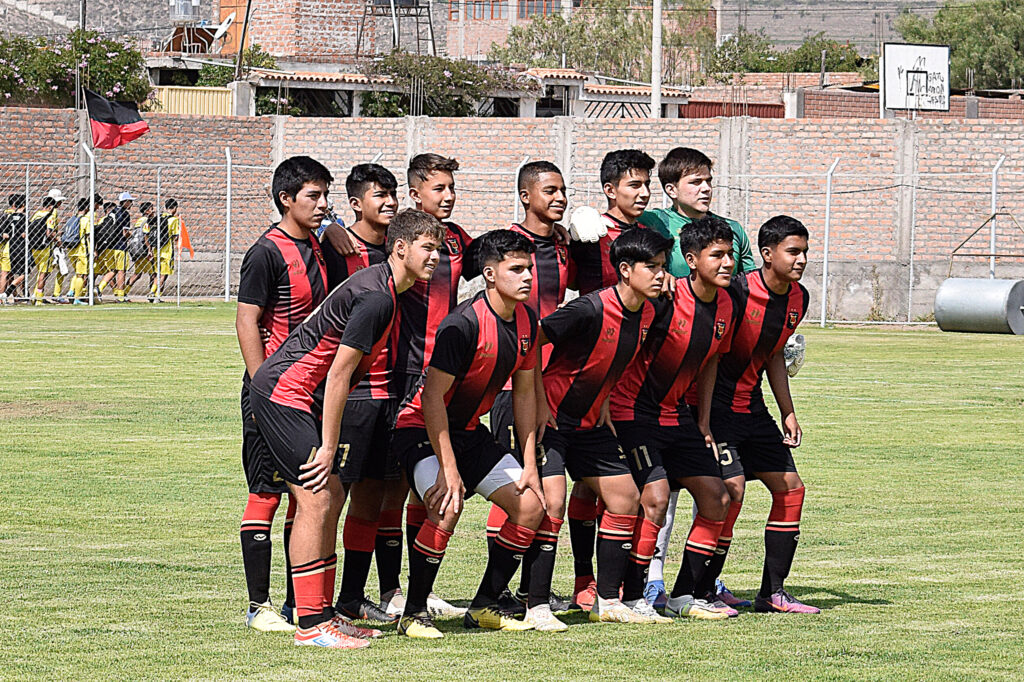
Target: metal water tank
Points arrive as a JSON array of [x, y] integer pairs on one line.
[[184, 11], [994, 306]]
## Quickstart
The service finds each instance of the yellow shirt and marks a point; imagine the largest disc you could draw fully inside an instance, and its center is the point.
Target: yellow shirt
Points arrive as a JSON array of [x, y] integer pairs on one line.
[[84, 229]]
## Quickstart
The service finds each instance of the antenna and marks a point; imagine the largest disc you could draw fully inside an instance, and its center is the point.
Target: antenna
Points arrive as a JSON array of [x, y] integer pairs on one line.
[[222, 29]]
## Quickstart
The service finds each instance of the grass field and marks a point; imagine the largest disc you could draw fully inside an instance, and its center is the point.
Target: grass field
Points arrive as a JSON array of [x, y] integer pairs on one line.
[[122, 490]]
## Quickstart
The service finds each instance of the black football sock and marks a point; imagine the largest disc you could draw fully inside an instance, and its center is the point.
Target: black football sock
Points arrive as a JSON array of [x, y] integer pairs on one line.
[[424, 562], [539, 563], [645, 538], [415, 516], [289, 519], [614, 542], [503, 559], [387, 549], [714, 569], [700, 547], [582, 516], [781, 534], [256, 547], [358, 538]]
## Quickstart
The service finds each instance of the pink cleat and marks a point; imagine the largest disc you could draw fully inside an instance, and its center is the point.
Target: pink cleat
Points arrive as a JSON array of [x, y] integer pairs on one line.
[[782, 602], [728, 598]]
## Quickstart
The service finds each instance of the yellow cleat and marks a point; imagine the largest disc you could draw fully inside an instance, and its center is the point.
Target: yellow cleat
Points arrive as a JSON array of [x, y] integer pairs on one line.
[[614, 611], [263, 618], [419, 626], [688, 607], [493, 618]]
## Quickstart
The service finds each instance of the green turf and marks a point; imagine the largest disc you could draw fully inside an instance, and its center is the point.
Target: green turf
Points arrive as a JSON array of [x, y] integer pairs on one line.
[[121, 493]]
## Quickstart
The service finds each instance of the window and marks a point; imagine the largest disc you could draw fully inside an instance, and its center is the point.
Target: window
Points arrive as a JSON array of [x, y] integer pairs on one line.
[[532, 8], [479, 10]]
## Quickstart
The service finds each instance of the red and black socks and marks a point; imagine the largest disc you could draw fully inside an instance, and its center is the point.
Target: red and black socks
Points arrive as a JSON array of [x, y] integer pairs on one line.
[[645, 539], [614, 543], [309, 593], [582, 517], [415, 516], [424, 561], [503, 558], [388, 549], [496, 517], [700, 547], [714, 569], [289, 519], [359, 538], [781, 534], [256, 548], [539, 563]]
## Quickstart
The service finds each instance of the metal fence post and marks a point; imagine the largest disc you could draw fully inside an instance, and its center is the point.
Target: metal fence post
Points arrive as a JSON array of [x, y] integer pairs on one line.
[[28, 190], [159, 219], [913, 239], [92, 222], [828, 230], [227, 229], [515, 189], [992, 226]]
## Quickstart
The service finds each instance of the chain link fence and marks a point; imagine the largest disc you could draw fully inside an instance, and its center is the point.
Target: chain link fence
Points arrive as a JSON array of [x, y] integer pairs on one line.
[[880, 245]]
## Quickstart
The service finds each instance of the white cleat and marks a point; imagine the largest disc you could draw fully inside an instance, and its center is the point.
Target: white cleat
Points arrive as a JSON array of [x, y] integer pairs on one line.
[[263, 618], [542, 620], [614, 611], [393, 603], [645, 610], [439, 608]]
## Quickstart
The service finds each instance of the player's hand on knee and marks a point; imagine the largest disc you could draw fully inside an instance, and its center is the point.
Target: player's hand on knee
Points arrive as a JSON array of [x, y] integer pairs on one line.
[[446, 493], [792, 434], [530, 480], [315, 472]]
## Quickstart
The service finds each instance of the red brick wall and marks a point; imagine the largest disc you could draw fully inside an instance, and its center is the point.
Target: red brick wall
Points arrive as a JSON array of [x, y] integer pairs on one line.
[[847, 104]]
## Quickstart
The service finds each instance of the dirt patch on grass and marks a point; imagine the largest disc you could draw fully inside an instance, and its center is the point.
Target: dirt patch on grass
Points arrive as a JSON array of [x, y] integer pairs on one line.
[[34, 408]]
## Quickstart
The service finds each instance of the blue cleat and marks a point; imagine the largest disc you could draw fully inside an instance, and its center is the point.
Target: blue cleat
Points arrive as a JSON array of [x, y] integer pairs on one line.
[[655, 595]]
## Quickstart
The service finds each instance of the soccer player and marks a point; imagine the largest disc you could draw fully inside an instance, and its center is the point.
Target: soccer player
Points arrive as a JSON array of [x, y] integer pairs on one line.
[[116, 258], [595, 337], [771, 302], [656, 427], [42, 233], [282, 279], [431, 180], [447, 453], [373, 524], [78, 248], [542, 193], [143, 265], [626, 182], [685, 176], [12, 260], [298, 396], [166, 248]]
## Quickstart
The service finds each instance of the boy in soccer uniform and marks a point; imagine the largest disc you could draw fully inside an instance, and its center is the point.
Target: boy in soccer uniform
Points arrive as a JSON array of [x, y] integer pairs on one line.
[[165, 250], [12, 260], [368, 470], [656, 427], [282, 279], [432, 188], [42, 239], [298, 396], [79, 254], [770, 304], [626, 182], [144, 264], [595, 337], [685, 176], [448, 454], [542, 193], [116, 257]]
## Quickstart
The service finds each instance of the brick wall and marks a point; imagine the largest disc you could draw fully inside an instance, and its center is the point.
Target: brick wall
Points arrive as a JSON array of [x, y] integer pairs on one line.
[[848, 104]]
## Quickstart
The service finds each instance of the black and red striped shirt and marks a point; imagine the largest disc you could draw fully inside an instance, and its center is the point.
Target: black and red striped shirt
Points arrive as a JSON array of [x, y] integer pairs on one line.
[[376, 385], [286, 277], [358, 314], [685, 334], [595, 337], [482, 351], [426, 304], [593, 259], [765, 321]]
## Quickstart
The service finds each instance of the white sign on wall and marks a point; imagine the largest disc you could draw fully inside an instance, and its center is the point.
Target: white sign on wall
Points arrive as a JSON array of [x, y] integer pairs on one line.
[[915, 77]]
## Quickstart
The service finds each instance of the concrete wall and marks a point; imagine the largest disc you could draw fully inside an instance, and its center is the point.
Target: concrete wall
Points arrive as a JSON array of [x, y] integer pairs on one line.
[[901, 187]]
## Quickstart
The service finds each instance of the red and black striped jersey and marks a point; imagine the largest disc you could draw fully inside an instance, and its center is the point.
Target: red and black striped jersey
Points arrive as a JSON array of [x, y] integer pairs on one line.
[[340, 268], [765, 321], [593, 259], [595, 338], [287, 278], [376, 385], [427, 303], [358, 314], [482, 351], [552, 272], [686, 332]]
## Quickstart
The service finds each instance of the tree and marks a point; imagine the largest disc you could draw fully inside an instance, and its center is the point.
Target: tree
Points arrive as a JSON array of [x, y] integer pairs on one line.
[[985, 35], [744, 52], [807, 57]]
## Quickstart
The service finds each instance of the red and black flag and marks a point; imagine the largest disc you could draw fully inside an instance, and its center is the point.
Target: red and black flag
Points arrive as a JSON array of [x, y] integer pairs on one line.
[[113, 123]]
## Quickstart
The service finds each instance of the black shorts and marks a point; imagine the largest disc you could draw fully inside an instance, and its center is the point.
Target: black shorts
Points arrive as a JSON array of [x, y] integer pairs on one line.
[[260, 473], [677, 451], [365, 447], [503, 423], [584, 453], [476, 453], [18, 264], [749, 443], [293, 436]]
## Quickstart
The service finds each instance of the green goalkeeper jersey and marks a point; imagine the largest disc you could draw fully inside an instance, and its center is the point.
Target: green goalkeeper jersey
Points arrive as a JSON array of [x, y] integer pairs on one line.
[[669, 223]]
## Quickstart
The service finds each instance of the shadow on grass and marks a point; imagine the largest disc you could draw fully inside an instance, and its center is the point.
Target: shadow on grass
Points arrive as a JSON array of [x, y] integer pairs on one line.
[[835, 597]]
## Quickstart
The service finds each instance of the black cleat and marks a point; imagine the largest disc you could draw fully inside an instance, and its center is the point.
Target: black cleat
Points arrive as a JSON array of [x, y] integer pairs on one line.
[[512, 603], [364, 609]]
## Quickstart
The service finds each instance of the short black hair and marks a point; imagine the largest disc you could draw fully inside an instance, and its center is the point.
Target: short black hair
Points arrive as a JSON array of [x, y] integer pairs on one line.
[[294, 172], [49, 202], [409, 224], [496, 245], [702, 233], [422, 165], [529, 173], [109, 206], [618, 164], [776, 229], [83, 204], [145, 206], [16, 200], [173, 203], [681, 161], [365, 174], [638, 245]]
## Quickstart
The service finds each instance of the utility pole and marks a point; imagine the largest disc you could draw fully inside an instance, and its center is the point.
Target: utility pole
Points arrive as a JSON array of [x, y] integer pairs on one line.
[[241, 42], [656, 61]]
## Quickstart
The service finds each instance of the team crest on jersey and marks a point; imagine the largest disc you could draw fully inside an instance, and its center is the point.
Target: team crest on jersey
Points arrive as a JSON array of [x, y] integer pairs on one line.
[[297, 267], [453, 245], [719, 329], [320, 258], [524, 344], [609, 335], [793, 318], [643, 334], [680, 325], [563, 255]]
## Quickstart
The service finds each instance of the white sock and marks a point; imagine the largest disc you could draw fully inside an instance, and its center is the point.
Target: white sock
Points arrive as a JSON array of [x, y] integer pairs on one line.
[[657, 569]]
